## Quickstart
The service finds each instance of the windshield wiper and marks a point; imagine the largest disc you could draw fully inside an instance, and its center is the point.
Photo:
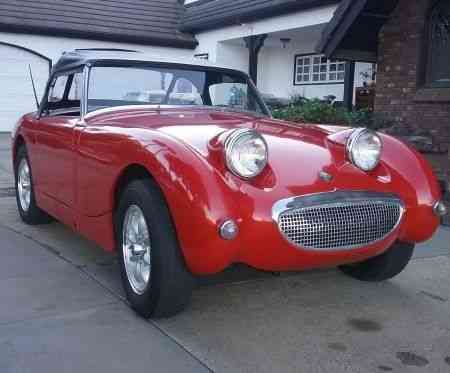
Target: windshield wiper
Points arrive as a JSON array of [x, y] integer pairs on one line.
[[237, 110]]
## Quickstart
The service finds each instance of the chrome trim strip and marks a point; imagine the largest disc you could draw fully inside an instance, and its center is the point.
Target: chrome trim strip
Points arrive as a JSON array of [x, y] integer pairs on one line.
[[85, 90], [181, 107], [334, 199], [316, 199]]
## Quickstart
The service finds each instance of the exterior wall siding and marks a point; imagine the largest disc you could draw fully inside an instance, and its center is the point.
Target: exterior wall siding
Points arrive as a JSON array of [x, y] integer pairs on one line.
[[399, 96]]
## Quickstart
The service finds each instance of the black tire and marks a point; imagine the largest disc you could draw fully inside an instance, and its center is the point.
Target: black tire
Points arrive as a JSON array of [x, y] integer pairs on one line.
[[382, 267], [33, 215], [169, 289]]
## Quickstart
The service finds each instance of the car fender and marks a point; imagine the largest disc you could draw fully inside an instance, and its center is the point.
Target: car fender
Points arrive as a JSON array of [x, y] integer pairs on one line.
[[405, 172], [417, 185], [199, 197]]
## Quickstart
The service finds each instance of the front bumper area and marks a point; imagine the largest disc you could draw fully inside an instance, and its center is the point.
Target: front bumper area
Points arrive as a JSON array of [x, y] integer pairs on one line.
[[339, 227], [323, 230], [342, 220]]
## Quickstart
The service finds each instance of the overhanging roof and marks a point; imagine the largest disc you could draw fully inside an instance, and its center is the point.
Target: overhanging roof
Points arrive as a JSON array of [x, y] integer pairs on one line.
[[352, 34], [211, 14], [152, 22]]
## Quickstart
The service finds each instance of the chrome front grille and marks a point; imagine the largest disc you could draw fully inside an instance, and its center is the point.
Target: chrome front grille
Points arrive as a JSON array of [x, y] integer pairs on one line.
[[338, 220]]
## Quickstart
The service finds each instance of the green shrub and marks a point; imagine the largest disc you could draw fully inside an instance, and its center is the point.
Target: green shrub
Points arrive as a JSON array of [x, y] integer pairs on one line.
[[357, 118], [311, 111], [302, 110]]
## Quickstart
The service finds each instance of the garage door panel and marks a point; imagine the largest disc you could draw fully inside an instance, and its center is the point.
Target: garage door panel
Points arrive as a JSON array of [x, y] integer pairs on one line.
[[19, 66], [20, 88], [18, 79], [16, 92], [19, 106], [20, 69], [20, 83], [15, 96]]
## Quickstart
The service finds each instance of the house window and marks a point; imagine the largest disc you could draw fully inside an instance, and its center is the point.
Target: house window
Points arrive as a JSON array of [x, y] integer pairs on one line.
[[438, 46], [317, 69]]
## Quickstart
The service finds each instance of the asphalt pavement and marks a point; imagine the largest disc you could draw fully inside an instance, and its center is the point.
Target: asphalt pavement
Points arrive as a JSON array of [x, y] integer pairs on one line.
[[62, 309]]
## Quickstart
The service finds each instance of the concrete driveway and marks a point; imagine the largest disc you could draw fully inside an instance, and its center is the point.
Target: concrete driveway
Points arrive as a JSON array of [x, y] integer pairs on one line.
[[62, 310]]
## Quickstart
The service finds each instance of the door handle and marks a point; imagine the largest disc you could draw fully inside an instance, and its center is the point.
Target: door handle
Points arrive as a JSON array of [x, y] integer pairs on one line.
[[80, 124]]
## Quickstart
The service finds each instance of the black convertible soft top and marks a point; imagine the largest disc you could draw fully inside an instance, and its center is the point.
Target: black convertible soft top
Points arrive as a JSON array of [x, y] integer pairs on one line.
[[80, 57], [75, 60]]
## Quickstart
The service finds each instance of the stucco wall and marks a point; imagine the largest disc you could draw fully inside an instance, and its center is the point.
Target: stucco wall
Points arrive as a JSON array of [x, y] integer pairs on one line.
[[276, 73], [276, 64]]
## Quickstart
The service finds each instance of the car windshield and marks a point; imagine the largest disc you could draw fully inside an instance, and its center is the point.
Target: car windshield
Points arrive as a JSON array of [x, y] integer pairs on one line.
[[111, 86]]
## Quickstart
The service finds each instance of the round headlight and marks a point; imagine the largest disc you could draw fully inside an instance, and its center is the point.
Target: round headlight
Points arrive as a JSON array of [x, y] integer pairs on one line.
[[364, 149], [246, 153]]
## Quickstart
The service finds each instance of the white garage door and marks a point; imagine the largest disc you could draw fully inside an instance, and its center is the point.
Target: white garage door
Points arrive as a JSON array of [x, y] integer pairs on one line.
[[16, 92]]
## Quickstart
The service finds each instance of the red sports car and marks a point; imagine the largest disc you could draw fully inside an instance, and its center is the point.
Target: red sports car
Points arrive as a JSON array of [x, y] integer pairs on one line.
[[181, 169]]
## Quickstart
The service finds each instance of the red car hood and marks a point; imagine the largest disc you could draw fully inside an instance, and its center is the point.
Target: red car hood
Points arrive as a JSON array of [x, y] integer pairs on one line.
[[298, 153]]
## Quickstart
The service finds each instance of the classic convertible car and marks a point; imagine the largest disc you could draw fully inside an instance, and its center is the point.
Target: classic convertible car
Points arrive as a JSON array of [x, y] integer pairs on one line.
[[181, 190]]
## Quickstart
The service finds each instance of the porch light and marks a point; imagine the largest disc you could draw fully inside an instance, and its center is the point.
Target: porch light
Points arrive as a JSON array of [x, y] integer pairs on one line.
[[285, 42]]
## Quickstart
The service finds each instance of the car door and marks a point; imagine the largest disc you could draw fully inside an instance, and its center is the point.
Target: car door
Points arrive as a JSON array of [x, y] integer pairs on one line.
[[55, 146]]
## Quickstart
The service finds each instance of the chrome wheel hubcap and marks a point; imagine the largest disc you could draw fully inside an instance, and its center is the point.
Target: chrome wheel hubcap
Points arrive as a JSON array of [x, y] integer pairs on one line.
[[24, 184], [136, 249]]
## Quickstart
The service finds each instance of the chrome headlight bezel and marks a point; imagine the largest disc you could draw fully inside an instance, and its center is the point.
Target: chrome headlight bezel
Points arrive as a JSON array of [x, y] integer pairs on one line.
[[352, 145], [234, 139]]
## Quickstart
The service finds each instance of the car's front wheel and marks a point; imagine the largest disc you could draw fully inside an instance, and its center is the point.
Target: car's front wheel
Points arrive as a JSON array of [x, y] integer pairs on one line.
[[382, 267], [156, 280]]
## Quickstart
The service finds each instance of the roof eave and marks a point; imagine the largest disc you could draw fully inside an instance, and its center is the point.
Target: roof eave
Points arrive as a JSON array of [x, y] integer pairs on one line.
[[248, 16], [184, 42], [349, 26], [335, 30]]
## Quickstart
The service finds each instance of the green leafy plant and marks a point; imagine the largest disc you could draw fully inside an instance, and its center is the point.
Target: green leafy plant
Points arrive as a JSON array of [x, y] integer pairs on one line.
[[302, 110], [313, 111]]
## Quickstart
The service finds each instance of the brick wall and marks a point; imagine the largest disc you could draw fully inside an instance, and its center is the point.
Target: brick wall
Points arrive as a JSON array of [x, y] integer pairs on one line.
[[424, 114]]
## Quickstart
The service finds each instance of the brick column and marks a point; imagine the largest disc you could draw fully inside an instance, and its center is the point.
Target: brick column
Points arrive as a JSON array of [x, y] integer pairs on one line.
[[415, 113]]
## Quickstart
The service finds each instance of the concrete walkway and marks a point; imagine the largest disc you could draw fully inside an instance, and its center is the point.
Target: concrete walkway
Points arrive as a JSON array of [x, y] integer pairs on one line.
[[62, 310], [54, 317]]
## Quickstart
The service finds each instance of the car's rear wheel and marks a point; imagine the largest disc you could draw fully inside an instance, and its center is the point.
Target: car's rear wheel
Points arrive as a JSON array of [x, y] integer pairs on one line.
[[156, 280], [382, 267], [29, 212]]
